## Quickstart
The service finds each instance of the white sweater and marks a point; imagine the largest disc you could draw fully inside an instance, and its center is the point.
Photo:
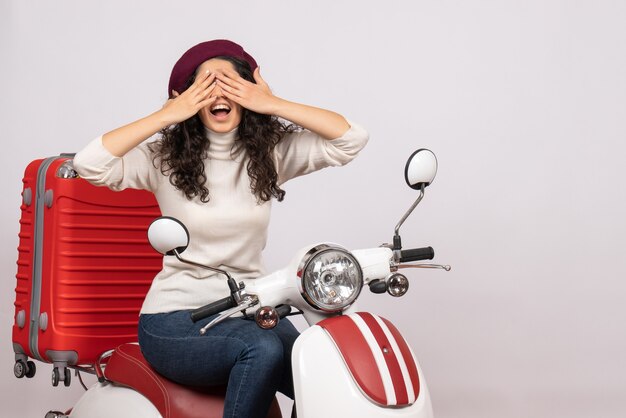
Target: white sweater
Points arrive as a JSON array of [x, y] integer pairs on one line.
[[228, 232]]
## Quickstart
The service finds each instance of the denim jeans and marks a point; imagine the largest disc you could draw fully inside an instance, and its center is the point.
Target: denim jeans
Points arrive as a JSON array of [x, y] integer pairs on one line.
[[254, 363]]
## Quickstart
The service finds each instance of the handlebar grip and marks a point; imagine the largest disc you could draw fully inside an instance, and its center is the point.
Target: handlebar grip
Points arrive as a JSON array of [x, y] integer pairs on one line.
[[212, 308], [417, 254]]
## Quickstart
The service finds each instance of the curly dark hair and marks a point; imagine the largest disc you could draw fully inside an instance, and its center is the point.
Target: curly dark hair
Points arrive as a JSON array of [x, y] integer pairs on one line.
[[183, 147]]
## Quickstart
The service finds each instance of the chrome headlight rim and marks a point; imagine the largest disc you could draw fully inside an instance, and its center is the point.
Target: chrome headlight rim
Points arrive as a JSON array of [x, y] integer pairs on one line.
[[311, 255]]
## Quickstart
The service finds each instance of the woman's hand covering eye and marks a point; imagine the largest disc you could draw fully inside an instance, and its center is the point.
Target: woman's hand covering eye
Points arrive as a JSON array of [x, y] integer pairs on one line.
[[256, 97], [183, 106]]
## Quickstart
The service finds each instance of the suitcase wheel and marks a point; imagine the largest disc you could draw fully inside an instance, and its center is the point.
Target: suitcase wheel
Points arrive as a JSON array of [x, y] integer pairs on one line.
[[56, 376], [55, 414], [68, 377], [20, 368], [24, 368], [32, 369]]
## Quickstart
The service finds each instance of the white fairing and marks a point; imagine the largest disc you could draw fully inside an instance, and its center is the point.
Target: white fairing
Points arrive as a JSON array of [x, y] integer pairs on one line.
[[422, 168], [374, 262], [284, 286], [325, 388], [112, 401]]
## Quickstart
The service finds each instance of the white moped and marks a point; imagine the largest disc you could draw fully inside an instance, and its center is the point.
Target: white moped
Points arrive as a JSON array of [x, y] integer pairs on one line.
[[348, 363]]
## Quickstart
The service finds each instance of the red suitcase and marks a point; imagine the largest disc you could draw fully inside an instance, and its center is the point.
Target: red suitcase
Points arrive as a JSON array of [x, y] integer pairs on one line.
[[84, 266]]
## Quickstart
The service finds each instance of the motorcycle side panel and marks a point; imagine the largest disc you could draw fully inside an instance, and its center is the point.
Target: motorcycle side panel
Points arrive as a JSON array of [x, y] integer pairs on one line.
[[84, 266], [105, 400], [325, 387]]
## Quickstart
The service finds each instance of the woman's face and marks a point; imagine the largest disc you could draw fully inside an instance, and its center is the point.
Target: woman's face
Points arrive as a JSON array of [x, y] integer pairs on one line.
[[223, 115]]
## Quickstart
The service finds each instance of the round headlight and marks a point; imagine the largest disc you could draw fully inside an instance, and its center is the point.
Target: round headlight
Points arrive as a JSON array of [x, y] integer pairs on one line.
[[331, 278]]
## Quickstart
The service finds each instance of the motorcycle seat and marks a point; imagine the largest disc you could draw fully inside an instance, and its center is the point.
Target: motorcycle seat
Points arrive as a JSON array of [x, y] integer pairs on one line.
[[128, 367]]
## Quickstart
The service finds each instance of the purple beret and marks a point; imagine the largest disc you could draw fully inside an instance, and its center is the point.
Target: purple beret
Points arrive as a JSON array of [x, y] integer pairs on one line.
[[187, 64]]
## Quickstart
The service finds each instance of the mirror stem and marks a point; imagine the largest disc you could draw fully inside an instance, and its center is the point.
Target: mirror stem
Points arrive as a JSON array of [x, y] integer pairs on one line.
[[232, 284], [396, 237]]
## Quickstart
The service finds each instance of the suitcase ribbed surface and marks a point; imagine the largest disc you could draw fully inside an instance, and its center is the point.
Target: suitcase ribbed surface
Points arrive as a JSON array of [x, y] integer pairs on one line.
[[105, 266], [96, 266]]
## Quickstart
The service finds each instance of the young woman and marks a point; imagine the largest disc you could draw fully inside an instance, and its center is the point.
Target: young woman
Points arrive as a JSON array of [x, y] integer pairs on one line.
[[223, 153]]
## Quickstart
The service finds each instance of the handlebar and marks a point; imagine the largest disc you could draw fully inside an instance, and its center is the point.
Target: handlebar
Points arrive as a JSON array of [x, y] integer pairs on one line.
[[417, 254], [213, 308]]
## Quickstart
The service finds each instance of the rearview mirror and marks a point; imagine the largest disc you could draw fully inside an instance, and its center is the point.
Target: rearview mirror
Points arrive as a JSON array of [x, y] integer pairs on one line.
[[420, 169], [167, 235]]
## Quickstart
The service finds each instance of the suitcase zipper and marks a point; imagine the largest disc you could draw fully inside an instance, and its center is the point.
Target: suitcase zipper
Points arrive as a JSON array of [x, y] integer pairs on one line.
[[35, 305]]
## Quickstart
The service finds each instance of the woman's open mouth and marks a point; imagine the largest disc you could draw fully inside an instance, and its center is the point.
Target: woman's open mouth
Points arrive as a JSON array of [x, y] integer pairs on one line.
[[220, 111]]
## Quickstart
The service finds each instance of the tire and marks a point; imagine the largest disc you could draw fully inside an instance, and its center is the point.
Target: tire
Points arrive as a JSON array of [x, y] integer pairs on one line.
[[20, 368], [32, 369], [55, 377], [67, 377]]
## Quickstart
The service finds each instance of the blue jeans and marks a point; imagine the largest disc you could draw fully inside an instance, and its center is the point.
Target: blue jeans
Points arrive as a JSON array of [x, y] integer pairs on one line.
[[254, 363]]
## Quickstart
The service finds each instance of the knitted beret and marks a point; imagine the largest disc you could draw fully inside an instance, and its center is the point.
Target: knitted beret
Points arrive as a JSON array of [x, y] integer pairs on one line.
[[190, 60]]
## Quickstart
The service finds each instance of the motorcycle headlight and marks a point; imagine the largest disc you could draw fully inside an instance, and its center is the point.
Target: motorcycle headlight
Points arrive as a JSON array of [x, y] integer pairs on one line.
[[331, 278]]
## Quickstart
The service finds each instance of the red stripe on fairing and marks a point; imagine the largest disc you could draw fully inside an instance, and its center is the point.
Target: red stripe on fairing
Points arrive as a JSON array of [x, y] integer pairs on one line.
[[357, 355], [399, 386], [406, 354]]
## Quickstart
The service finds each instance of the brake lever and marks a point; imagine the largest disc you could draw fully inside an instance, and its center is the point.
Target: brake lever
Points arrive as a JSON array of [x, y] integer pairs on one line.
[[425, 266], [246, 302]]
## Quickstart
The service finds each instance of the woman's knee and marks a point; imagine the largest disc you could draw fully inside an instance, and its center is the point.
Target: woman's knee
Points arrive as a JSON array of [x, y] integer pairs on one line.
[[266, 350]]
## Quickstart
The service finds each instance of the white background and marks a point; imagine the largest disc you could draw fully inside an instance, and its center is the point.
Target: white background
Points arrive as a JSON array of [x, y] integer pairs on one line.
[[524, 103]]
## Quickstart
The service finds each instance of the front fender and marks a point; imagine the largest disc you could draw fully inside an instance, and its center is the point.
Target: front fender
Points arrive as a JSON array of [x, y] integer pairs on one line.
[[329, 375]]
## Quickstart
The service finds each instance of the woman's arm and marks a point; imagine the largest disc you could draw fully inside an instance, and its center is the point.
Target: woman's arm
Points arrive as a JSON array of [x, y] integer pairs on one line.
[[326, 123], [258, 98], [121, 140]]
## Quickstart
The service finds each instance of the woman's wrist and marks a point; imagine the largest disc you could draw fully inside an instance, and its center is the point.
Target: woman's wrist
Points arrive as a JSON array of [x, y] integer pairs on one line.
[[280, 107], [163, 118], [121, 140], [326, 123]]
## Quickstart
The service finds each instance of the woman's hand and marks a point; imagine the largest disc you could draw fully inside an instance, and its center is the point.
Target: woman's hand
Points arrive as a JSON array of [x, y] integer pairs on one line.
[[185, 105], [256, 97]]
